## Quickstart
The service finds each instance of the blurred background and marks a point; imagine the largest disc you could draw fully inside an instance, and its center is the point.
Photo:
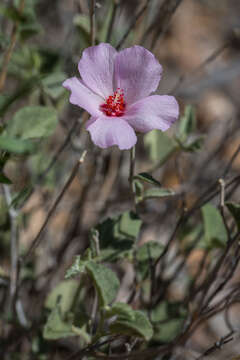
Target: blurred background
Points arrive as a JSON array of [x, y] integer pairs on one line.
[[198, 44]]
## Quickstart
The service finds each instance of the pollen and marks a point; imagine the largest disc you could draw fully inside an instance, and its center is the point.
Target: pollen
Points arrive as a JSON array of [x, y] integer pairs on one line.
[[114, 105]]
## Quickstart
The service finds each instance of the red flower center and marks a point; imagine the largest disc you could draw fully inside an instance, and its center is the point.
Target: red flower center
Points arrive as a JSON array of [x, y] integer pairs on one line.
[[114, 105]]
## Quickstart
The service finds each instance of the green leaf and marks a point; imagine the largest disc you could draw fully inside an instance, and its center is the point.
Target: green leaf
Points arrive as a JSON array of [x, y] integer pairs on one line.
[[151, 249], [146, 254], [117, 236], [12, 13], [63, 295], [235, 211], [130, 224], [52, 84], [3, 101], [82, 24], [77, 268], [165, 333], [192, 145], [57, 327], [187, 123], [32, 122], [195, 145], [167, 319], [16, 146], [29, 29], [82, 21], [156, 193], [4, 215], [120, 309], [105, 281], [160, 146], [4, 179], [147, 178], [25, 87], [214, 228], [136, 325]]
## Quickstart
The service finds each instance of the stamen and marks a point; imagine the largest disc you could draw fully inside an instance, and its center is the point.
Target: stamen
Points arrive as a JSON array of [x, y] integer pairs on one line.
[[114, 105]]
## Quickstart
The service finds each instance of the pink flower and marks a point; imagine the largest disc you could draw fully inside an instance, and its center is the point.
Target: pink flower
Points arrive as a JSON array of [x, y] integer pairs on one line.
[[114, 88]]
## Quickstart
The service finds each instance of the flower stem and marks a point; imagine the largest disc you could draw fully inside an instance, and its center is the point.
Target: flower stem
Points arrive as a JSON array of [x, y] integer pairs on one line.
[[131, 170]]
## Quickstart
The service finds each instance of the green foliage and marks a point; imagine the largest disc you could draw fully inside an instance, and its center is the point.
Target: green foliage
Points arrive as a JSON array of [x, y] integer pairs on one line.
[[35, 74], [3, 211], [187, 126], [32, 122], [145, 256], [63, 295], [82, 24], [52, 84], [12, 13], [167, 319], [77, 268], [131, 322], [117, 236], [105, 21], [129, 225], [148, 178], [235, 211], [30, 26], [187, 123], [160, 146], [119, 309], [16, 146], [192, 145], [214, 228], [68, 316], [57, 326], [105, 281], [158, 193], [4, 179]]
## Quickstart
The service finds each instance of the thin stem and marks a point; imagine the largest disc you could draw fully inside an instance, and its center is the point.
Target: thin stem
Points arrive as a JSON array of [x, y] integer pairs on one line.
[[8, 54], [37, 239], [93, 22], [132, 168]]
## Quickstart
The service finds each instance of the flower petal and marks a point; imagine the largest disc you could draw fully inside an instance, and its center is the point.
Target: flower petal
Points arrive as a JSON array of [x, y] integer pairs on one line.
[[153, 112], [109, 131], [82, 96], [96, 68], [137, 72]]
